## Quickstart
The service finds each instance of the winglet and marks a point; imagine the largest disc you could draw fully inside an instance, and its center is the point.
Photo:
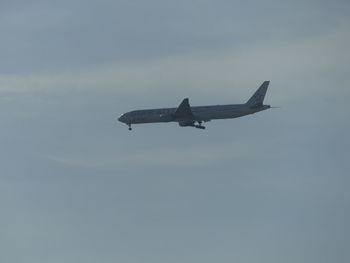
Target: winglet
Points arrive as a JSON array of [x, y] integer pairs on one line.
[[259, 95], [184, 112]]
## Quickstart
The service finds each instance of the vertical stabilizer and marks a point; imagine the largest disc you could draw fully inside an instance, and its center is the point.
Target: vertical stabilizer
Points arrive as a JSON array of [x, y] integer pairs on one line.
[[258, 98]]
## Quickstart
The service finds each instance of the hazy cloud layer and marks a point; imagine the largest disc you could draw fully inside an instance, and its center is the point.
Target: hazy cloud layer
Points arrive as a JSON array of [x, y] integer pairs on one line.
[[77, 186]]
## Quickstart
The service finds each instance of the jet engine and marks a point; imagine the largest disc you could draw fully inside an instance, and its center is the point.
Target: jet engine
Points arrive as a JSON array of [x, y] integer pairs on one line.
[[186, 123], [192, 124]]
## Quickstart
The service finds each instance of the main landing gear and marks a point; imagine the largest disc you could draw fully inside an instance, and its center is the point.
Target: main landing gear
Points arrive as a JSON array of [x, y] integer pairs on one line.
[[199, 125], [129, 127]]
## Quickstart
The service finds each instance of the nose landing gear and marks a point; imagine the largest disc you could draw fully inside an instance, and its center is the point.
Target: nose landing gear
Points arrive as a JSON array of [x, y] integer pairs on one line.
[[129, 127]]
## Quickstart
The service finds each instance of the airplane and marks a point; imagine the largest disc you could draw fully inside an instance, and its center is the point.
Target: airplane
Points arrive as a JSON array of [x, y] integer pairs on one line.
[[187, 116]]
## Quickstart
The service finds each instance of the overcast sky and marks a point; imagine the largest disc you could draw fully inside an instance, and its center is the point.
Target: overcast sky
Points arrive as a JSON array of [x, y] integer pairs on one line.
[[77, 186]]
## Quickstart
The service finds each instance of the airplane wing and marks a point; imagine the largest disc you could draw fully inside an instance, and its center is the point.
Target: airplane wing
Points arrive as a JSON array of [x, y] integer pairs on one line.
[[184, 112]]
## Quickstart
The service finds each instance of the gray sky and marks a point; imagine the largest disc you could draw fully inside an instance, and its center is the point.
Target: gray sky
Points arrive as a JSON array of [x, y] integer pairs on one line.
[[75, 186]]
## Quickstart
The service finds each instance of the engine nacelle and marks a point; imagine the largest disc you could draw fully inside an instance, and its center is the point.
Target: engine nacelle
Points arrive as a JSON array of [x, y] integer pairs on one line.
[[186, 123], [166, 117]]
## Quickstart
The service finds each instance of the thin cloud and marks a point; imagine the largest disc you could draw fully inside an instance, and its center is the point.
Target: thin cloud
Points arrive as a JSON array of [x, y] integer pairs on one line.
[[282, 62], [200, 156]]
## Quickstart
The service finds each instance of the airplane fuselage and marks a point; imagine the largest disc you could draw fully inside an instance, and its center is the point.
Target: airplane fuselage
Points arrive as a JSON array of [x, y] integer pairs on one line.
[[201, 113]]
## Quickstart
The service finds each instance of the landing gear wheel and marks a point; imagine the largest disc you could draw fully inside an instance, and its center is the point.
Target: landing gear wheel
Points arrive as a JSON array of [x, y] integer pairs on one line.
[[129, 127], [199, 127]]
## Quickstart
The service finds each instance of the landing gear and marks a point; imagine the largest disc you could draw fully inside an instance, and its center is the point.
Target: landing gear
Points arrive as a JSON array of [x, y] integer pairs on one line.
[[192, 124], [199, 125], [129, 127]]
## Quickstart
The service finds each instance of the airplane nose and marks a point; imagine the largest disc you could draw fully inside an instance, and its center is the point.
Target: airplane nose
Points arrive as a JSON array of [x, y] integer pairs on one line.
[[121, 118]]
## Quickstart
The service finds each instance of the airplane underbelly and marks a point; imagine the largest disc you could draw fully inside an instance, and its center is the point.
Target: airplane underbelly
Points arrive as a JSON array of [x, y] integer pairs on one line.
[[150, 119], [146, 119]]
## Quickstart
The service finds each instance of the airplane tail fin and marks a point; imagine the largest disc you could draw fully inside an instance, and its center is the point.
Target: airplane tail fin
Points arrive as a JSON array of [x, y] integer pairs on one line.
[[258, 97]]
